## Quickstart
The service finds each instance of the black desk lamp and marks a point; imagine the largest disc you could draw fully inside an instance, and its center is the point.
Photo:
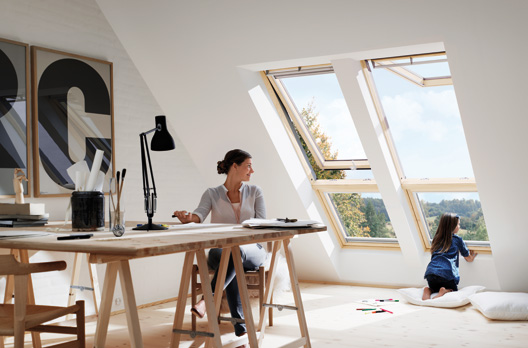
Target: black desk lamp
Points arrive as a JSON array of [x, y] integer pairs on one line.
[[161, 141]]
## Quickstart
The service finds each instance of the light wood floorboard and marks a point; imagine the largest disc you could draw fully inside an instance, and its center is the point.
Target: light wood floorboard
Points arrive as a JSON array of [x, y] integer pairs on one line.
[[333, 321]]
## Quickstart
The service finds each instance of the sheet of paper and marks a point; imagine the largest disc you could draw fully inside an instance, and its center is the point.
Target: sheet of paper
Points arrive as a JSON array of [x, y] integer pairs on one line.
[[263, 223], [21, 234]]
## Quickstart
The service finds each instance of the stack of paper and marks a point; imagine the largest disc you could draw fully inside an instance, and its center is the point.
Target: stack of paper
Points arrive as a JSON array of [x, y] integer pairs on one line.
[[22, 215]]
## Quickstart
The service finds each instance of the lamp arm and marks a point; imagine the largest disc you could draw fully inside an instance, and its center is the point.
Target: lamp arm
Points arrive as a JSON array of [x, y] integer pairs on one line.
[[144, 173], [151, 172], [158, 127]]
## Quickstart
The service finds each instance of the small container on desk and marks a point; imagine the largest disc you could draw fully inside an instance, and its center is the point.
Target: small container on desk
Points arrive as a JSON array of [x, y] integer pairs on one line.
[[87, 208], [116, 208]]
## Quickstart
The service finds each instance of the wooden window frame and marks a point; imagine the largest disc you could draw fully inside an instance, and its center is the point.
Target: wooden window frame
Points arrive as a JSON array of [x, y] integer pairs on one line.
[[273, 76], [323, 187], [411, 76], [414, 186]]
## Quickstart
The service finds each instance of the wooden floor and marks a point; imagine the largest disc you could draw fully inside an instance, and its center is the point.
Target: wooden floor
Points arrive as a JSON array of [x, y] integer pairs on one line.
[[333, 321]]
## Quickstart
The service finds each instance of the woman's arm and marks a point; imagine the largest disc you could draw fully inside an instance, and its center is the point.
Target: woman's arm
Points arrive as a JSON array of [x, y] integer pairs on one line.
[[186, 217], [260, 206]]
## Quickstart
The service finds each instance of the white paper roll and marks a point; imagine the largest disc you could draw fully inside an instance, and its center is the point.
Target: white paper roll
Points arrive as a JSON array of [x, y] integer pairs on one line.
[[98, 159], [78, 173]]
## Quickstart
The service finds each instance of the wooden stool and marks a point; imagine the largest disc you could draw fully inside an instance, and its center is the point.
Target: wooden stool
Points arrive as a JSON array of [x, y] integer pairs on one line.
[[261, 274]]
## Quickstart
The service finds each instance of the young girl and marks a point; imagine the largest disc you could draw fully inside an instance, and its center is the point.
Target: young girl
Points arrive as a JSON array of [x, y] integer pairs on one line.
[[442, 272]]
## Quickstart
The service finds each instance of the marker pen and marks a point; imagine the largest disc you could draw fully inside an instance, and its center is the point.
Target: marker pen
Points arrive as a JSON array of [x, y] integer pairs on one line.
[[75, 236]]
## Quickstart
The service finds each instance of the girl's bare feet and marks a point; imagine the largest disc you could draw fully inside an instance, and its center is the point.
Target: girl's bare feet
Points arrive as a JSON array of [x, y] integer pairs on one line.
[[442, 292], [426, 294]]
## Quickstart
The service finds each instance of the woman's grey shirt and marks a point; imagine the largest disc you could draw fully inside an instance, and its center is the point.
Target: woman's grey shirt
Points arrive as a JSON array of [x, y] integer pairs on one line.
[[215, 200]]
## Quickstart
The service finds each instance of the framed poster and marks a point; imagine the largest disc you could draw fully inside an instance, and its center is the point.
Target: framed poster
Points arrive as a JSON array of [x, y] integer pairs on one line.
[[14, 115], [72, 98]]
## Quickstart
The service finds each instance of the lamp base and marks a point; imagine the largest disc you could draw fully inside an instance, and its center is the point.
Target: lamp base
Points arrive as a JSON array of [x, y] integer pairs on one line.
[[149, 226]]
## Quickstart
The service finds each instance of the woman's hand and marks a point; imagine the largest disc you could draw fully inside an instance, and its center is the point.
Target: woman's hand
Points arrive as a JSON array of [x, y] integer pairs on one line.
[[184, 216]]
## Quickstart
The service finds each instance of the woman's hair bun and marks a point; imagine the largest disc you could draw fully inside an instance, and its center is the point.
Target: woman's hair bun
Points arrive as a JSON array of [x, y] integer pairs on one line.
[[221, 167], [234, 156]]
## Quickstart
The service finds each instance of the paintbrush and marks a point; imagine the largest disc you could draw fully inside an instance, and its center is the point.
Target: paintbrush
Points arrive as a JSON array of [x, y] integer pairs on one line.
[[116, 211], [119, 191]]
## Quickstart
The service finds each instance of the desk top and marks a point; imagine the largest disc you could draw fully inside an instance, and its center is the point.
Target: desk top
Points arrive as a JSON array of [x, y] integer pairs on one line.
[[135, 244]]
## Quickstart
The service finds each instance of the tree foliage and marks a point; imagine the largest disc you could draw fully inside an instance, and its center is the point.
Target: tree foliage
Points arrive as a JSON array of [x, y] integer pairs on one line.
[[323, 141], [359, 219], [472, 225]]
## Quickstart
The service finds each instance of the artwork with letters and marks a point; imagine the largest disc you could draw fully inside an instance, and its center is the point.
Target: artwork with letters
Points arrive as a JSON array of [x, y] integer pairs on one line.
[[14, 115], [72, 117]]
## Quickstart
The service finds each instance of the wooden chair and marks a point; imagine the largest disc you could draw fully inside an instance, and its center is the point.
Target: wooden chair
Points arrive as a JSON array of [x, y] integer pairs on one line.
[[261, 274], [17, 318]]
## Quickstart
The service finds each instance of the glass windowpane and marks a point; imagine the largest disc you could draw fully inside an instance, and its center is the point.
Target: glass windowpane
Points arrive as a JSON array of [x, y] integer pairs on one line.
[[320, 102], [425, 126], [465, 204], [362, 215]]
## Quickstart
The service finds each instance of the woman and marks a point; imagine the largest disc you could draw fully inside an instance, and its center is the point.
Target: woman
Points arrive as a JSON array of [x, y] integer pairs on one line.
[[232, 202], [442, 272]]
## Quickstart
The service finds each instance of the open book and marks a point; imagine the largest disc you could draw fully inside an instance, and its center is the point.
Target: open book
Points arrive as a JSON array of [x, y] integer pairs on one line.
[[283, 223]]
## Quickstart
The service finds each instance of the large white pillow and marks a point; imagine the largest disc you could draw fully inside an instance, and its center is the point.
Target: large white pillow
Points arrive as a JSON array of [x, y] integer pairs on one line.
[[449, 300], [502, 305]]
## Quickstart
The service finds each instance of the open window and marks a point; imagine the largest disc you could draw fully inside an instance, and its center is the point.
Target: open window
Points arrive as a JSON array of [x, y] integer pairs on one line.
[[315, 113], [416, 100], [315, 105]]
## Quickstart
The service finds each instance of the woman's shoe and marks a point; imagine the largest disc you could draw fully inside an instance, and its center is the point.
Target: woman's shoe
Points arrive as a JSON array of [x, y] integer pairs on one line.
[[199, 309], [245, 345]]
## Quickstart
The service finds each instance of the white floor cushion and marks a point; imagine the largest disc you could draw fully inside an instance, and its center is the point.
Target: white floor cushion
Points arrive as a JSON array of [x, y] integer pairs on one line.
[[449, 300], [502, 305]]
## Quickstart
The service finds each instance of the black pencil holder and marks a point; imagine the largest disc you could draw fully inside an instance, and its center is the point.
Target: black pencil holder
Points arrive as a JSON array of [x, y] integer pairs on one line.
[[87, 208]]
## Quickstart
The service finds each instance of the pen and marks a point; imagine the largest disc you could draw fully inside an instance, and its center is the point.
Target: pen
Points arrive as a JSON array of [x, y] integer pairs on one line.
[[374, 312], [75, 236], [386, 311], [365, 309], [388, 300], [185, 214]]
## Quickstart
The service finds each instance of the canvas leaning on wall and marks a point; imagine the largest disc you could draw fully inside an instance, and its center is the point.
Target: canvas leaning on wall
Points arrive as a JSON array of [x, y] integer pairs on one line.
[[72, 117], [14, 115]]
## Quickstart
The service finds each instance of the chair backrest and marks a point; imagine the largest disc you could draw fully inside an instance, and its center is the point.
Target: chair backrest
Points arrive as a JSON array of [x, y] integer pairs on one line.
[[9, 265], [20, 317]]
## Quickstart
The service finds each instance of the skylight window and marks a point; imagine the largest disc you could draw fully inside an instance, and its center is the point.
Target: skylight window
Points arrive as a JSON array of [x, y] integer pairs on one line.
[[316, 111], [373, 219], [425, 126], [423, 70], [417, 101]]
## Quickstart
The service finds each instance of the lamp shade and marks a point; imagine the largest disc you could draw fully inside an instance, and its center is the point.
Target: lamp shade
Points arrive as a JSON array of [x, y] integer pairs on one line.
[[162, 140]]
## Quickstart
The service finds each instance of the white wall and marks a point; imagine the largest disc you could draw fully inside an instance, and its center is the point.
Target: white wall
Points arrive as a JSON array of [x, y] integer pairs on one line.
[[79, 27], [201, 48]]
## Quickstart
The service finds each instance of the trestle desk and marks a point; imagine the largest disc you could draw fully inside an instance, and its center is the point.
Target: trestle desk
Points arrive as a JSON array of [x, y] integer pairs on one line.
[[193, 240]]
